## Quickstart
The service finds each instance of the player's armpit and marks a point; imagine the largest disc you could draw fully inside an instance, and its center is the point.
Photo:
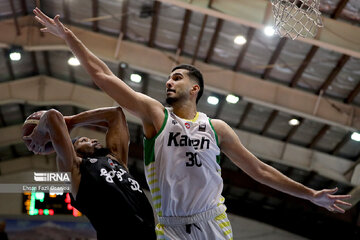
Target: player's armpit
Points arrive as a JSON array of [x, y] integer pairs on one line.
[[231, 145]]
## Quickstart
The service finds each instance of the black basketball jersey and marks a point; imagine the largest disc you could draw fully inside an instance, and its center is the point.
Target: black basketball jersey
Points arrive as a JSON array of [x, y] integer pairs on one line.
[[113, 201]]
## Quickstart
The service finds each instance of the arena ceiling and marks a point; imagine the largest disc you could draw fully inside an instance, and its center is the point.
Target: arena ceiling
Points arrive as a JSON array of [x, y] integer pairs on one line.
[[316, 81]]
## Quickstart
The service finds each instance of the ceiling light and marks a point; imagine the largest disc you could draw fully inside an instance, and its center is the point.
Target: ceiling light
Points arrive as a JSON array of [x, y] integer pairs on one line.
[[240, 40], [15, 56], [294, 122], [232, 99], [269, 31], [73, 61], [123, 65], [135, 78], [213, 100], [355, 136]]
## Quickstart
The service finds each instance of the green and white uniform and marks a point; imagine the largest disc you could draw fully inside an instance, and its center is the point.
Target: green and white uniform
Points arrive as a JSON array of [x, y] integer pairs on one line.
[[183, 172]]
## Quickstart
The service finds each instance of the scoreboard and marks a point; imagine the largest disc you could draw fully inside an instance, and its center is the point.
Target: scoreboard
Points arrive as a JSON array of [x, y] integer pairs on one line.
[[40, 203]]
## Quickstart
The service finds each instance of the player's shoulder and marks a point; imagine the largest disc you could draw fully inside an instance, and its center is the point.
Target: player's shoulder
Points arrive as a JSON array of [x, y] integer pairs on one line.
[[218, 123], [222, 129]]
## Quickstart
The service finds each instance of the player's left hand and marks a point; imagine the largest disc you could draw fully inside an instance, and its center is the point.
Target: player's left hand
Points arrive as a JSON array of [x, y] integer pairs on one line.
[[333, 203]]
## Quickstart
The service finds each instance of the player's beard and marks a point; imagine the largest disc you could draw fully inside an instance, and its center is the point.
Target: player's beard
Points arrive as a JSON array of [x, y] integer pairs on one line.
[[171, 100], [180, 97], [100, 152]]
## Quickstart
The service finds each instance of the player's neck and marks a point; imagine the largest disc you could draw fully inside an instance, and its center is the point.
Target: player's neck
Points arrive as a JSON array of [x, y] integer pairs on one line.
[[186, 110]]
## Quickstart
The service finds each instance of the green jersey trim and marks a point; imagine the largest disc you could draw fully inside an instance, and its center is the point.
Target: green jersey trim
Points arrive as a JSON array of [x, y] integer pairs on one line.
[[149, 143], [217, 141]]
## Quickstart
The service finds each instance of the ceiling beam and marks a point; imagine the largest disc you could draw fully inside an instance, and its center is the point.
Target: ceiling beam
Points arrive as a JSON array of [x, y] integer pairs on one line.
[[14, 153], [341, 5], [95, 12], [293, 130], [219, 107], [145, 83], [239, 60], [22, 111], [18, 32], [318, 136], [124, 17], [39, 26], [210, 2], [184, 29], [303, 66], [8, 63], [2, 119], [245, 114], [343, 141], [203, 24], [34, 63], [66, 11], [214, 38], [252, 89], [266, 74], [342, 61], [274, 58], [353, 94], [269, 121], [337, 36], [47, 63], [154, 23], [23, 7]]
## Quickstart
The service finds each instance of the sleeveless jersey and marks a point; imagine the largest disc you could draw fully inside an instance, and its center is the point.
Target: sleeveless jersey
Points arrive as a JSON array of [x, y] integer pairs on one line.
[[182, 166], [113, 201]]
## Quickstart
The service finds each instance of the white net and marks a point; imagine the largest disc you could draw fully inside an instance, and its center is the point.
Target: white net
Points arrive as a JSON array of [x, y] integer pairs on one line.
[[295, 18]]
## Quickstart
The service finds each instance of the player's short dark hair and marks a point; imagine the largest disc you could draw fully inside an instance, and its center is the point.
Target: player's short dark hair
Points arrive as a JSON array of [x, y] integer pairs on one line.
[[194, 74], [74, 140]]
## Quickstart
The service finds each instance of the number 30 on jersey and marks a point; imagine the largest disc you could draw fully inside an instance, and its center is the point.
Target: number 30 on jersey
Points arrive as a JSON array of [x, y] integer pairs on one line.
[[192, 160]]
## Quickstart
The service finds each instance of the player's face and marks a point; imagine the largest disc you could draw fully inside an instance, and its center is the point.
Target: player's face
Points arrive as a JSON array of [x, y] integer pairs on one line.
[[178, 86], [86, 146]]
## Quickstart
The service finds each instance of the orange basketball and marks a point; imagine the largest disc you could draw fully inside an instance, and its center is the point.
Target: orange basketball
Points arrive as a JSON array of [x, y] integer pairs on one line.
[[31, 122]]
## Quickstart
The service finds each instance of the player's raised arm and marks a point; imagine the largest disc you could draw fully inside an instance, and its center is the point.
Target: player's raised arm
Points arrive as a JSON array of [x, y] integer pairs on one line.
[[230, 144], [144, 107], [111, 118]]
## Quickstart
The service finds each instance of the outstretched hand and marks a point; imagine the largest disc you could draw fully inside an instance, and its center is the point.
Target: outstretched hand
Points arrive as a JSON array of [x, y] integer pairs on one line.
[[53, 26], [333, 203]]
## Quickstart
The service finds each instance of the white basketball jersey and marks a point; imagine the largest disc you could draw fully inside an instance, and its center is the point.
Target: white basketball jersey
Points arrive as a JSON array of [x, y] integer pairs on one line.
[[182, 166]]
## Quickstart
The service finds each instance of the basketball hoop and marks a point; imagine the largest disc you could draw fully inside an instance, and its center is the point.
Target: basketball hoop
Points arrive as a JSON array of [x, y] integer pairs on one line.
[[295, 18]]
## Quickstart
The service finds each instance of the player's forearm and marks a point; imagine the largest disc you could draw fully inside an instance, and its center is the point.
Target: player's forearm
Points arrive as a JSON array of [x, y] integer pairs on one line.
[[92, 64], [44, 126], [53, 123], [104, 78], [275, 179], [101, 117], [60, 139]]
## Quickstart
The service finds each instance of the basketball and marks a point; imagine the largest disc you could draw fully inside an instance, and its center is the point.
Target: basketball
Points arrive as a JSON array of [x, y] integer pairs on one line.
[[31, 122]]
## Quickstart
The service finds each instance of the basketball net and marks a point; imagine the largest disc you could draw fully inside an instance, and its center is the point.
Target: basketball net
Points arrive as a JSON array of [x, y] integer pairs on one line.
[[295, 18]]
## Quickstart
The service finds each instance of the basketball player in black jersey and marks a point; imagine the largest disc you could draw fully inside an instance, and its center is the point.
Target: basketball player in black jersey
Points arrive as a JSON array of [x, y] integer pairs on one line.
[[102, 187]]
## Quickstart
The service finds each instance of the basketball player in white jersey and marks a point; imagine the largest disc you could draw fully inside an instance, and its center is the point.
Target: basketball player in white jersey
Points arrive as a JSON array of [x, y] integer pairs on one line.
[[182, 148]]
